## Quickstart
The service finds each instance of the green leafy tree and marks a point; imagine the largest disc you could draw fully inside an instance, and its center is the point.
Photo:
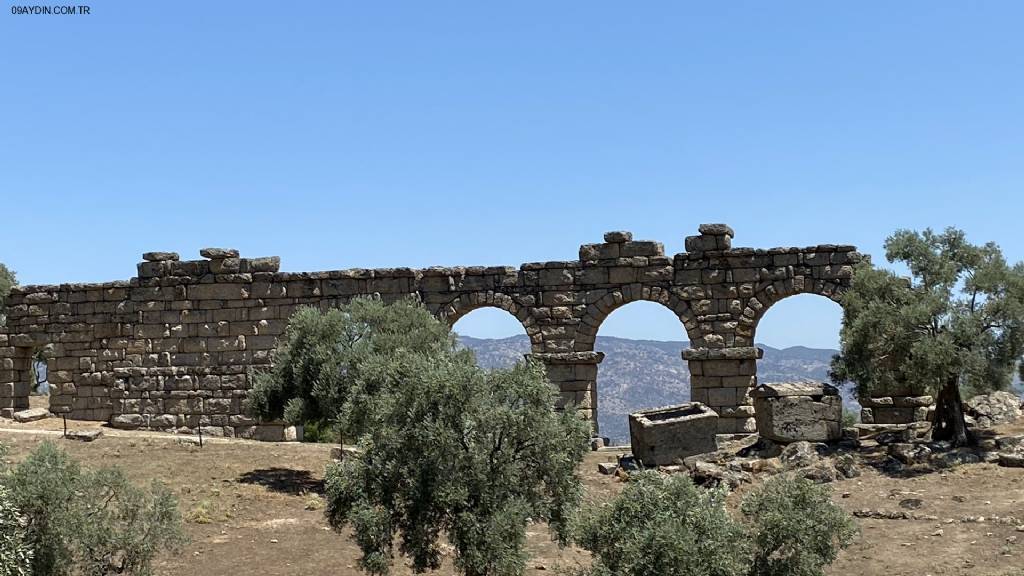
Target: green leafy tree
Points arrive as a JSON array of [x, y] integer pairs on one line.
[[664, 525], [795, 528], [458, 450], [317, 373], [94, 523], [956, 323], [7, 281]]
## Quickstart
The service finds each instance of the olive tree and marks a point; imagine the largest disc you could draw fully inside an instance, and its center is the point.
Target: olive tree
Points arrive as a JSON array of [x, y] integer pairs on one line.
[[318, 364], [447, 449], [462, 452], [956, 323]]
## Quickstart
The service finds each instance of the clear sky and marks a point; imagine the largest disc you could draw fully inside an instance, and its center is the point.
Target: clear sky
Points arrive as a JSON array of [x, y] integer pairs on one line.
[[366, 134]]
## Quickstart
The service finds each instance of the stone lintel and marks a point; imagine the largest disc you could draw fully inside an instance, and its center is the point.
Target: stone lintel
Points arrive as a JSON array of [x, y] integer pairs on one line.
[[737, 353], [780, 389], [567, 357]]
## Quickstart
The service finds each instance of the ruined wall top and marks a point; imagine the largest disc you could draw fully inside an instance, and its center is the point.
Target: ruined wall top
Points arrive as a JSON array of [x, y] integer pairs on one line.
[[173, 344]]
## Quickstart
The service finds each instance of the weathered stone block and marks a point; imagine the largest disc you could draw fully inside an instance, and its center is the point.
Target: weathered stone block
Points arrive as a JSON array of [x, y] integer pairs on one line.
[[665, 436], [218, 253], [794, 411]]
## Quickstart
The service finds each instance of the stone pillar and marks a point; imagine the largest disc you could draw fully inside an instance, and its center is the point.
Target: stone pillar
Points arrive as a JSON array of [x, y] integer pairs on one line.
[[722, 378], [575, 376], [15, 377]]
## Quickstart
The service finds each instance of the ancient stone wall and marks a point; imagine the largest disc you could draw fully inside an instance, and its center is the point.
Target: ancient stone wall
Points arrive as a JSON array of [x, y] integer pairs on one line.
[[173, 347]]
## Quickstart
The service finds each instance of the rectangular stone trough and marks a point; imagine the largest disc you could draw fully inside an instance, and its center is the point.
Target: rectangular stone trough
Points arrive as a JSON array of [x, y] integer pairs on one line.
[[664, 436], [794, 411]]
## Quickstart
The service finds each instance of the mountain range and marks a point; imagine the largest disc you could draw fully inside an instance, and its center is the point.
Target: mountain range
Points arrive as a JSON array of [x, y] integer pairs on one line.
[[640, 374]]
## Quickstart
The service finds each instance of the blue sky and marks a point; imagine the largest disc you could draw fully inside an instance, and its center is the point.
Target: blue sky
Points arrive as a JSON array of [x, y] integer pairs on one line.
[[345, 134]]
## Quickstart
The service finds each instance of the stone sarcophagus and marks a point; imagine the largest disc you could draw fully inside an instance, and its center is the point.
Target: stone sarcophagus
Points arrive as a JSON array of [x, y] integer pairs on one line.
[[664, 436], [794, 411]]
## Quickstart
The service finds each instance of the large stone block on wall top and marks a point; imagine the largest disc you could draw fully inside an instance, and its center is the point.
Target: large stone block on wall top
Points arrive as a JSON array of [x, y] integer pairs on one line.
[[795, 411], [664, 436]]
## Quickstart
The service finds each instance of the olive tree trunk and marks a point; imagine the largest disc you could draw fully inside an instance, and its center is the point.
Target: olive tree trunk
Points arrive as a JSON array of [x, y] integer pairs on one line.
[[948, 422]]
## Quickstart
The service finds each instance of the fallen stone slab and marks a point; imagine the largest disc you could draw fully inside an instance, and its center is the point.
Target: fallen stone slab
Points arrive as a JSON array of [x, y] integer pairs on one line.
[[31, 415], [84, 435], [607, 468], [126, 421]]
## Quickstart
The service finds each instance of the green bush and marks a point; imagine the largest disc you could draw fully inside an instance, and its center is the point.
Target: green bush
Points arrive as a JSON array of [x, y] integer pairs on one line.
[[796, 528], [87, 522], [15, 554], [665, 525]]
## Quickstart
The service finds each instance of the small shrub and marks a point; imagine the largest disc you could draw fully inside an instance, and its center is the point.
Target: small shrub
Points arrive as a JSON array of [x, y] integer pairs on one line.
[[663, 525], [796, 528], [92, 523], [200, 513], [667, 526], [15, 554]]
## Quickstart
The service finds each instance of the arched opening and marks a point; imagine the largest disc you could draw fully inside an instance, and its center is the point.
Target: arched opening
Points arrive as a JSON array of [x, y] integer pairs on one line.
[[800, 335], [495, 336], [642, 368]]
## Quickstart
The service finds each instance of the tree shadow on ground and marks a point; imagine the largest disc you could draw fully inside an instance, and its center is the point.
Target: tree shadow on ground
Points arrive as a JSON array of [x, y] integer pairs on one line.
[[284, 480]]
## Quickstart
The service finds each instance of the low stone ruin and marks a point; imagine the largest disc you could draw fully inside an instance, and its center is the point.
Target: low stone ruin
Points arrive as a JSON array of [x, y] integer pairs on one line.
[[794, 411], [896, 409], [664, 436]]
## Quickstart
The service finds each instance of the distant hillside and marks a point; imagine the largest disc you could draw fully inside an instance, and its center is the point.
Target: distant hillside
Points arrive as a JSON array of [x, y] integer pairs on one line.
[[638, 374]]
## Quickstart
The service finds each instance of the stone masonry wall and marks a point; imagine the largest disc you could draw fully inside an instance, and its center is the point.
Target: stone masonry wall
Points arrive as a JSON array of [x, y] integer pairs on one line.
[[172, 347]]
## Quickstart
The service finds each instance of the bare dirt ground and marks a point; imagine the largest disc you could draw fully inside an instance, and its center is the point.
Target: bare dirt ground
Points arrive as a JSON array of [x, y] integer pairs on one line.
[[255, 508]]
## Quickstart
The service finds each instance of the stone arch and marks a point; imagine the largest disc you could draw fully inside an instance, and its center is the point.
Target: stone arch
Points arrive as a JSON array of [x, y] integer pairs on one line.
[[466, 303], [770, 294], [596, 313]]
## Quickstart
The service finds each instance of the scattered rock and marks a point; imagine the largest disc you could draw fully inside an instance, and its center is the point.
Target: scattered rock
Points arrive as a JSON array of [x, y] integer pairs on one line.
[[847, 466], [911, 503], [800, 455], [910, 454], [628, 463], [188, 441], [84, 435], [126, 421], [1012, 459], [607, 468], [994, 409], [821, 472], [708, 474], [955, 458], [896, 436], [596, 444], [31, 415]]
